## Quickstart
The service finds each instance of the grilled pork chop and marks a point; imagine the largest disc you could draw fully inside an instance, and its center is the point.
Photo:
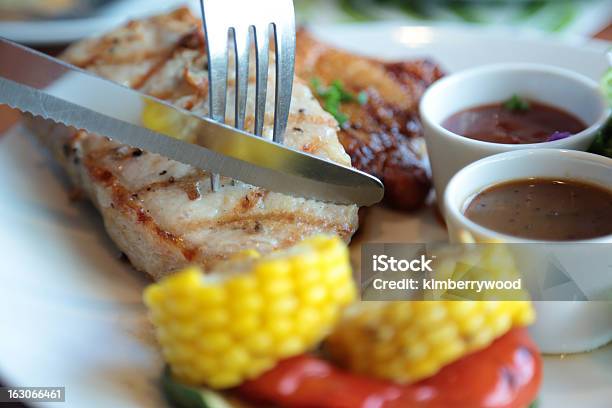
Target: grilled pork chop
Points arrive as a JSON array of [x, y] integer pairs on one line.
[[384, 135], [162, 213]]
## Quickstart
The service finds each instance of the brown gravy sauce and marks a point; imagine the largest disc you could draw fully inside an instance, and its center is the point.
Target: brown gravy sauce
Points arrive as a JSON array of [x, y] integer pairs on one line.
[[497, 124], [544, 209]]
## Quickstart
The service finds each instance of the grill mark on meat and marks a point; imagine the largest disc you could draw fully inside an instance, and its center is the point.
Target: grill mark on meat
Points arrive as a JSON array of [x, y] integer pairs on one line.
[[138, 83], [193, 190], [238, 221], [297, 119], [302, 118], [199, 85], [190, 184], [190, 103], [310, 147], [193, 40], [103, 49], [250, 200], [424, 72], [101, 175], [124, 200], [100, 58], [106, 46], [185, 42]]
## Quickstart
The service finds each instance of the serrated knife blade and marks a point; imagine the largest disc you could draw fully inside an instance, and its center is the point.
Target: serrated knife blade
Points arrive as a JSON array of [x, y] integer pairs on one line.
[[44, 86]]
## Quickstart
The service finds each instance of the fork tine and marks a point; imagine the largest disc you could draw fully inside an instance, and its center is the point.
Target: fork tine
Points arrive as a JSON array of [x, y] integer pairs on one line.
[[216, 48], [284, 40], [285, 48], [217, 76], [241, 47], [252, 16], [217, 85], [262, 46]]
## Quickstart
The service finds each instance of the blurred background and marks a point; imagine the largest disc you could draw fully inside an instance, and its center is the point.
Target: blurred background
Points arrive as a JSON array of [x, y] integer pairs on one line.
[[577, 16], [50, 25], [64, 21]]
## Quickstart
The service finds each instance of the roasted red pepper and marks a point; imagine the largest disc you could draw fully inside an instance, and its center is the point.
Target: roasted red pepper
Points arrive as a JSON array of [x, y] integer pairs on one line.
[[506, 374]]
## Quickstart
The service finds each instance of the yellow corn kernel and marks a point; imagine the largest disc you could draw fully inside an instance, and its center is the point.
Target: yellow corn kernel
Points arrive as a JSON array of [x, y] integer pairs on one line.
[[245, 325], [409, 341], [259, 343], [237, 322]]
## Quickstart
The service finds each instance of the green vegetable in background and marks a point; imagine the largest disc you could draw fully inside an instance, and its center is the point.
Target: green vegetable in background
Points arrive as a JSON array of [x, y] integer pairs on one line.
[[530, 8], [465, 11], [334, 96], [558, 14], [603, 141], [606, 85], [356, 9], [562, 15]]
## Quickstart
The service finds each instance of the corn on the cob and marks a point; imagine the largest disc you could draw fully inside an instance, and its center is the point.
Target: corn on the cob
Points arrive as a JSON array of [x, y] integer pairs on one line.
[[234, 324], [477, 262], [409, 341]]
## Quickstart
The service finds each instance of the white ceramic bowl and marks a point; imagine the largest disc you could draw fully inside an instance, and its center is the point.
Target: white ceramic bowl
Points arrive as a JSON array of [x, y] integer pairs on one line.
[[561, 327], [449, 152]]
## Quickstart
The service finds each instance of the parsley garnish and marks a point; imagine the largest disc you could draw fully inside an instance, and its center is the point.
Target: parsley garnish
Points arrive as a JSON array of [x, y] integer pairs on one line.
[[516, 103], [334, 96]]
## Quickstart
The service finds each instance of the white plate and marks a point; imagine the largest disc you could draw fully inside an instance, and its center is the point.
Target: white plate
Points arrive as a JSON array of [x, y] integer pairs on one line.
[[70, 310]]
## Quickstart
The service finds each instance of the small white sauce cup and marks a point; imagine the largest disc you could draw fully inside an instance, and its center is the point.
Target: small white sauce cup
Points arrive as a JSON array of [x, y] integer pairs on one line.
[[564, 89], [561, 326]]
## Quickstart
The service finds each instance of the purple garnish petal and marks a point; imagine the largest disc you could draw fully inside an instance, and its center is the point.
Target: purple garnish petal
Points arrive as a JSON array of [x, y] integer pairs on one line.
[[558, 136]]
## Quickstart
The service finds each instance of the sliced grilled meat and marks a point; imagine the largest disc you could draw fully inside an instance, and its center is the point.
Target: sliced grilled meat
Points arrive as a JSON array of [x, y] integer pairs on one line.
[[162, 213]]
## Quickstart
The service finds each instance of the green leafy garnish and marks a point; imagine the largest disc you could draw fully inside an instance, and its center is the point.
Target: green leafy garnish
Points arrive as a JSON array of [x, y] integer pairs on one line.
[[185, 396], [334, 96], [516, 104], [534, 404]]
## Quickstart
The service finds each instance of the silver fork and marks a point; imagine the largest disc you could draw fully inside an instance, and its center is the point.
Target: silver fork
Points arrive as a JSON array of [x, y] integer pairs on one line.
[[238, 21]]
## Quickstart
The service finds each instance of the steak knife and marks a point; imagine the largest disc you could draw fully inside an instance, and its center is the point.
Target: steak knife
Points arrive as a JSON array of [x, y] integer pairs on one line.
[[52, 89]]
